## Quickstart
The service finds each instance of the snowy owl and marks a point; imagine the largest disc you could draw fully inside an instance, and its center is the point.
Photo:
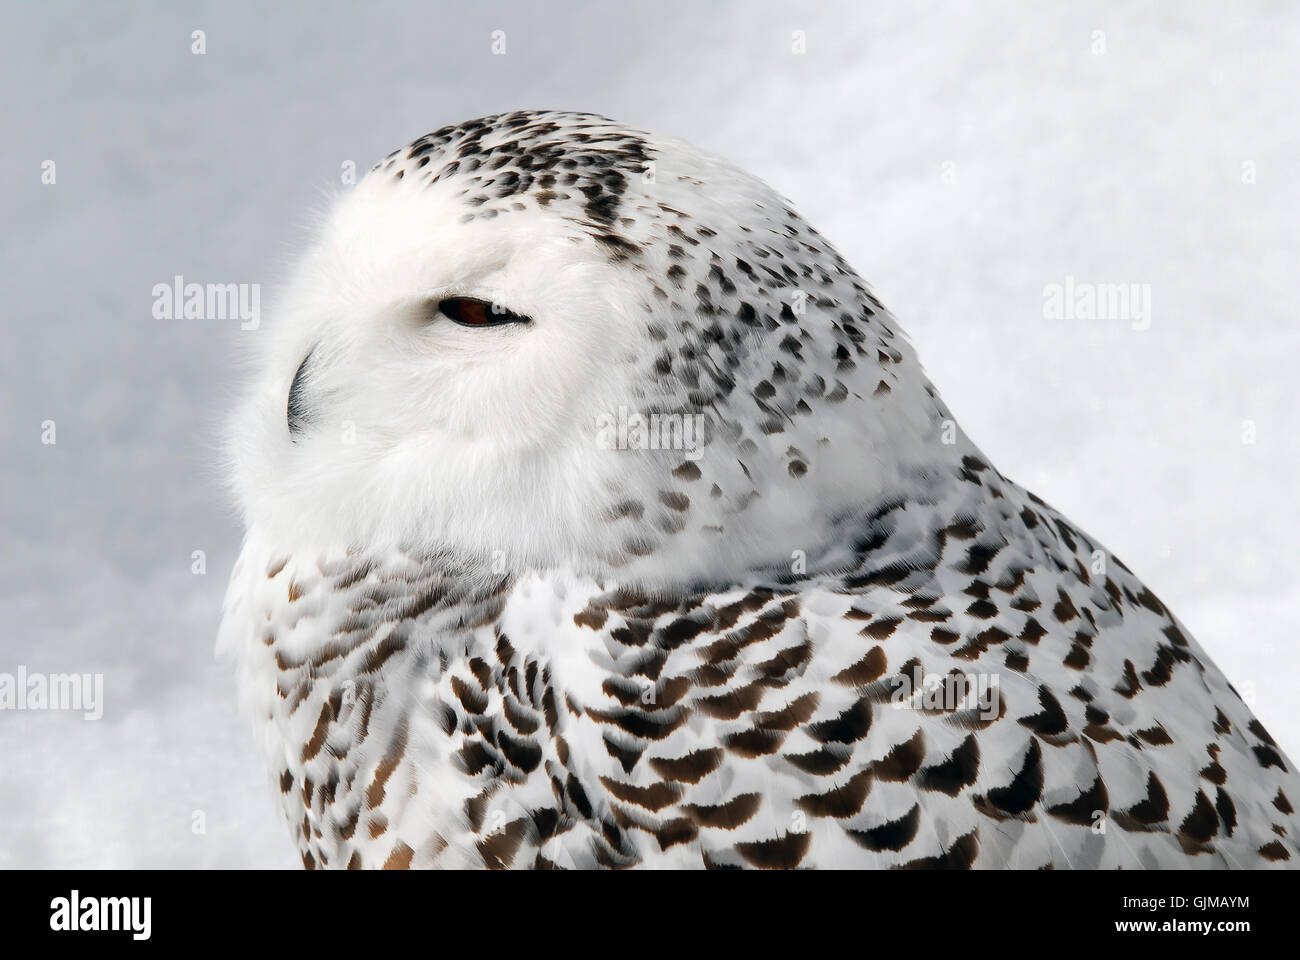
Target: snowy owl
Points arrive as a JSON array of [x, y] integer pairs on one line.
[[598, 515]]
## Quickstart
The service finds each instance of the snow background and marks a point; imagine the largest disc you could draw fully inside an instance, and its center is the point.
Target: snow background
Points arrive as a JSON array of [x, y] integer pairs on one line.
[[1119, 167]]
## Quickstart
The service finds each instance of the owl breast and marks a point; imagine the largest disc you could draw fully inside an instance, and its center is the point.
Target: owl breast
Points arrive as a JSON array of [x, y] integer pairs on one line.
[[969, 692]]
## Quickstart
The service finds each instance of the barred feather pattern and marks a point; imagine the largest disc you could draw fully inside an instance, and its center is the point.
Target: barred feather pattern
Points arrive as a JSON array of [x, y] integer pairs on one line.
[[549, 722]]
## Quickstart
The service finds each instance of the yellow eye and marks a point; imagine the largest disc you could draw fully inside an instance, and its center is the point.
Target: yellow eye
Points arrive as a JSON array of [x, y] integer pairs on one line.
[[469, 312]]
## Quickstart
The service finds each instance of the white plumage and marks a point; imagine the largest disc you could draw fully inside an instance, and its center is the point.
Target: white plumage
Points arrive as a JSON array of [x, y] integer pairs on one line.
[[485, 615]]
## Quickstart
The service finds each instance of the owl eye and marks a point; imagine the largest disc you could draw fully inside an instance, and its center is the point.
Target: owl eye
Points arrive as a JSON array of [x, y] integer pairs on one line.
[[469, 312]]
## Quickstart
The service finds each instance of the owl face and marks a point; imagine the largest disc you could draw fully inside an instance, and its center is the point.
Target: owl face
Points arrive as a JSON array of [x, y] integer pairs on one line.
[[442, 379], [481, 339], [545, 339]]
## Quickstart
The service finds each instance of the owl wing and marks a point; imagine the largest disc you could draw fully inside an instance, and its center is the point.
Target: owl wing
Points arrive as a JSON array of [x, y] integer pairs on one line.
[[1017, 705]]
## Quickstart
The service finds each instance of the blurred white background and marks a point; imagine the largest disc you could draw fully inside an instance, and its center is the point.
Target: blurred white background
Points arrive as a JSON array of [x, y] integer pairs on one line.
[[961, 155]]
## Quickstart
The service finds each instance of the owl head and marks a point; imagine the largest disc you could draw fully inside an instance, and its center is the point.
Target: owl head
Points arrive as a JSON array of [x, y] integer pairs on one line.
[[544, 339]]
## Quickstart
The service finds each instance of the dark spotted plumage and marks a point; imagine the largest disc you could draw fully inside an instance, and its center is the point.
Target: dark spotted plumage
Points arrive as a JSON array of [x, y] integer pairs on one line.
[[833, 635], [760, 726], [496, 161]]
